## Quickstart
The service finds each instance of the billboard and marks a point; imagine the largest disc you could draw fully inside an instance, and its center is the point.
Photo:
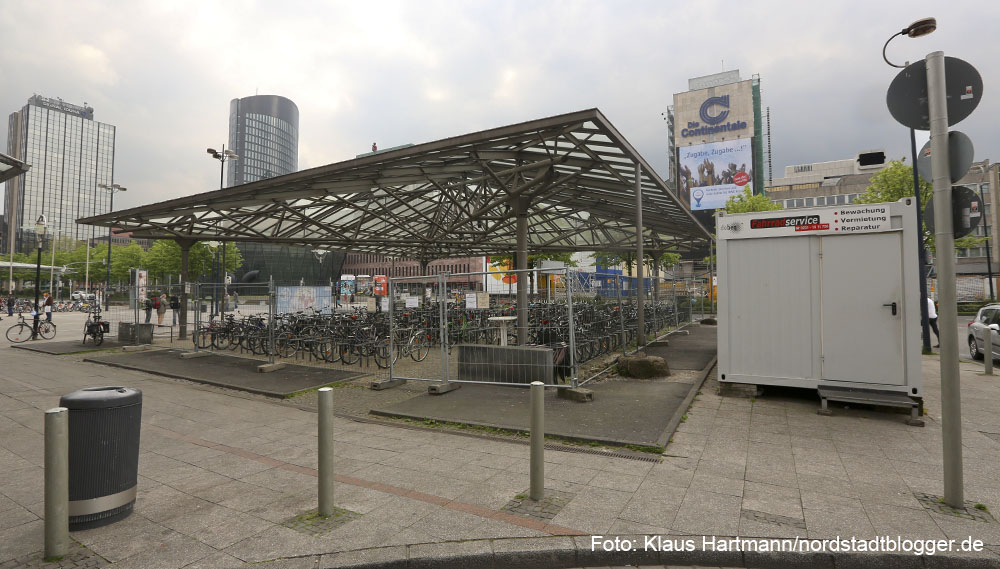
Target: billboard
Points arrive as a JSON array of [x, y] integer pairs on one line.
[[715, 113], [711, 173], [299, 298]]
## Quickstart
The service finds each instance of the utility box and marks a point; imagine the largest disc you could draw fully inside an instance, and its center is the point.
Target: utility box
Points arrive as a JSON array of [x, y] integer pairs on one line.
[[822, 297]]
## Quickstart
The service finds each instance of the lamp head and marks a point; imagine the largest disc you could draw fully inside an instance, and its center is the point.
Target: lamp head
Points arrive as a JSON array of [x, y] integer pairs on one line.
[[921, 27], [212, 151]]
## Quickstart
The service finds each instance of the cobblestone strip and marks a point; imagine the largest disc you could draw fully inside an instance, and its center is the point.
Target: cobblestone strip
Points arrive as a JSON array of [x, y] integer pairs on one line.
[[544, 510], [311, 523], [969, 512]]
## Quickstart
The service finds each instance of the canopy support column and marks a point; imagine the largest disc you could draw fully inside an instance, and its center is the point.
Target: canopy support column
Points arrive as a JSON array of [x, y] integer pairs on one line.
[[521, 211], [640, 301], [185, 245]]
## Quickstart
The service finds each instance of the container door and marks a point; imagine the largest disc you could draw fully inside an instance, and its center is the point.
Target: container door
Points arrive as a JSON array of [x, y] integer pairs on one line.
[[862, 308]]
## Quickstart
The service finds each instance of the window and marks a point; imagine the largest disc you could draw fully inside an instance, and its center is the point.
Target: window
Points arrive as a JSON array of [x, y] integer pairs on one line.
[[809, 202], [821, 200]]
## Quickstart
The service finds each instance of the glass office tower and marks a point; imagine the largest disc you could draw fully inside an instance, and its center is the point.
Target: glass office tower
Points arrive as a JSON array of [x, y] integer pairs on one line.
[[70, 155], [264, 133]]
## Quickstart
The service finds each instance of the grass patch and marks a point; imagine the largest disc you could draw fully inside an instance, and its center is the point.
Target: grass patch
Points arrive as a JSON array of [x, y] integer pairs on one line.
[[982, 507], [684, 418], [336, 385]]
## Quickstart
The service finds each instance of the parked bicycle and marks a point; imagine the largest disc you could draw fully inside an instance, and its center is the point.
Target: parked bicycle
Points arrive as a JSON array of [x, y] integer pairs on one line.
[[23, 331], [95, 327]]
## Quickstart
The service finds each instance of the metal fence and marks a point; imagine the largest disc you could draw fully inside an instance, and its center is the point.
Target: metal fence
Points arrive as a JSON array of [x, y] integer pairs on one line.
[[440, 328], [468, 327]]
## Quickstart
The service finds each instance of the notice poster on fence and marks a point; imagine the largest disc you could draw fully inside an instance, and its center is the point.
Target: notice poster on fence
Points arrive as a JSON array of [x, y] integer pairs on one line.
[[370, 304], [477, 300], [385, 303], [301, 298], [412, 302]]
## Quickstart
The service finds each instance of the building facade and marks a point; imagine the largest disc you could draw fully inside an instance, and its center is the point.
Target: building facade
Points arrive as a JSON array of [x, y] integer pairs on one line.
[[825, 184], [70, 155], [264, 132], [369, 264], [716, 142]]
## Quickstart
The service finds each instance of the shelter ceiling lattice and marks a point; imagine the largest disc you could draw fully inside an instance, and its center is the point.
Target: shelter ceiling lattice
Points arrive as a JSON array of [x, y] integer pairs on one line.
[[573, 176]]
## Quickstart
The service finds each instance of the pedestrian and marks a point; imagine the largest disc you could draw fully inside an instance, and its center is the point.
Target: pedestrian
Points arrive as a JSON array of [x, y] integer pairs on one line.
[[932, 320], [48, 304], [11, 301], [147, 305], [175, 306], [236, 299], [160, 304]]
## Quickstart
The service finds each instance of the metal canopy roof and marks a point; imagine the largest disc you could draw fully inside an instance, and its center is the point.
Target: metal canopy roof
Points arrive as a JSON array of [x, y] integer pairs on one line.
[[11, 167], [454, 197]]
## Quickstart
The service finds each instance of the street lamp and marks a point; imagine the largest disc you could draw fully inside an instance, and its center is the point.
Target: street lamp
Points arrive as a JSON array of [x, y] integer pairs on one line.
[[111, 207], [222, 157], [921, 27], [40, 240]]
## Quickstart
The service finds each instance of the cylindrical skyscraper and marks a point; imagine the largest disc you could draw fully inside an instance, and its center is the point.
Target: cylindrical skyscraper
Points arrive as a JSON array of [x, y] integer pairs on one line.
[[264, 132]]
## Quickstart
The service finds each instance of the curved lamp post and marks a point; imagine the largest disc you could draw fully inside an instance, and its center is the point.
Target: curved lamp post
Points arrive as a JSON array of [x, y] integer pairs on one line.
[[919, 28], [111, 207], [40, 241], [222, 157]]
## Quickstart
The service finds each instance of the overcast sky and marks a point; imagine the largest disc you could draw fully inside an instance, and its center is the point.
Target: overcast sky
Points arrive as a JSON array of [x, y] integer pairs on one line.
[[409, 72]]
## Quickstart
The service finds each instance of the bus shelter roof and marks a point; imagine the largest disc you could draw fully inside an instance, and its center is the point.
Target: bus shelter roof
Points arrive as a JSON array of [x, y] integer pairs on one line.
[[573, 175]]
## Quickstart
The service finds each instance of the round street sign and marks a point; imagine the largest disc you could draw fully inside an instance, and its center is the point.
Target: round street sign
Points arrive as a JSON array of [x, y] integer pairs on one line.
[[907, 95], [960, 155], [966, 211]]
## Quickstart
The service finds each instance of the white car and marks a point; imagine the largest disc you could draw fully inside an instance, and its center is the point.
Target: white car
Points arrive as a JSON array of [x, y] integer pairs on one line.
[[83, 295], [987, 317]]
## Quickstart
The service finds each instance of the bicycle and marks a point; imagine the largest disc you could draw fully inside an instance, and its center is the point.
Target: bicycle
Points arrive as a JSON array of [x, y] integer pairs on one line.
[[95, 327], [22, 331]]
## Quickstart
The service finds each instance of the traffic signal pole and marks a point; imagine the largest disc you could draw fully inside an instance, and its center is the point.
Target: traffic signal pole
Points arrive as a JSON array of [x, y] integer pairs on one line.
[[951, 404]]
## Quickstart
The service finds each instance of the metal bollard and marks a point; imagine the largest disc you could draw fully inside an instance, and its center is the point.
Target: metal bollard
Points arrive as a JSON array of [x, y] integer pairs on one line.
[[537, 466], [325, 451], [56, 482], [988, 350]]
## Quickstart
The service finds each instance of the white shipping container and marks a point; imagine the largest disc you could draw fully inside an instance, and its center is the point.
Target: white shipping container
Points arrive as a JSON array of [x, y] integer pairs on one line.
[[821, 297]]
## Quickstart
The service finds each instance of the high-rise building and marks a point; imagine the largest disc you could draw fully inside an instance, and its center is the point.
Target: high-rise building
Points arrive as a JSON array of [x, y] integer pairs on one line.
[[717, 145], [70, 155], [264, 132]]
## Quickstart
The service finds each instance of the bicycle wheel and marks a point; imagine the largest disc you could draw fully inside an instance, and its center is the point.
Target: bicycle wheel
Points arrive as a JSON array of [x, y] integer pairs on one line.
[[322, 348], [349, 353], [285, 344], [202, 338], [46, 329], [419, 346], [221, 339], [19, 332], [98, 336]]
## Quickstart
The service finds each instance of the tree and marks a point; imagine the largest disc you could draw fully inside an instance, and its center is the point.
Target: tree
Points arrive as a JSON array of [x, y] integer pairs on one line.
[[748, 202], [895, 182]]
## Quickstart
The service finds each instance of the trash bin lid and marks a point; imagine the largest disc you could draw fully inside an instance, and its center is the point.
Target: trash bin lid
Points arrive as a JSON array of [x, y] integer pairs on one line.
[[101, 397]]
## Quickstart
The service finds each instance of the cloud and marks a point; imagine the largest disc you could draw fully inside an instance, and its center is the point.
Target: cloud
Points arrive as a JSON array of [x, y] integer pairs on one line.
[[399, 72]]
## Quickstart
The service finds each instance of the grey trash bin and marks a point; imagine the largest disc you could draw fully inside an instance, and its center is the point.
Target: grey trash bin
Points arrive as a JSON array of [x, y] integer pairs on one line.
[[103, 454]]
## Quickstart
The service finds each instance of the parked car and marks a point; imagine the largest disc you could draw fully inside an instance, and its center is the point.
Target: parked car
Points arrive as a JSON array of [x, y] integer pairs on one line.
[[83, 295], [987, 317]]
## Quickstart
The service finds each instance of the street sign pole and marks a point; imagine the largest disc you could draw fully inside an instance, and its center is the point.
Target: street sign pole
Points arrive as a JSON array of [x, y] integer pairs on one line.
[[924, 323], [951, 411]]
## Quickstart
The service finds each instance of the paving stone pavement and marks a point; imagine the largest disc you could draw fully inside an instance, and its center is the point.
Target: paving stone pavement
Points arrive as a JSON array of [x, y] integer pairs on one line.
[[220, 473]]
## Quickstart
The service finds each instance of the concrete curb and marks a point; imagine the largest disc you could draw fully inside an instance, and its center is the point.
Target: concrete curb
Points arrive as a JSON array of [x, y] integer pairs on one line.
[[562, 552], [686, 404]]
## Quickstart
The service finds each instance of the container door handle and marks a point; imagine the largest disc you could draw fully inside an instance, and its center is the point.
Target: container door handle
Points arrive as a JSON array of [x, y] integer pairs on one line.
[[893, 306]]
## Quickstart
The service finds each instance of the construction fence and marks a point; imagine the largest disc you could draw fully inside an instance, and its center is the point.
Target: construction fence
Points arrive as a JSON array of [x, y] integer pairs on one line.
[[436, 328]]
